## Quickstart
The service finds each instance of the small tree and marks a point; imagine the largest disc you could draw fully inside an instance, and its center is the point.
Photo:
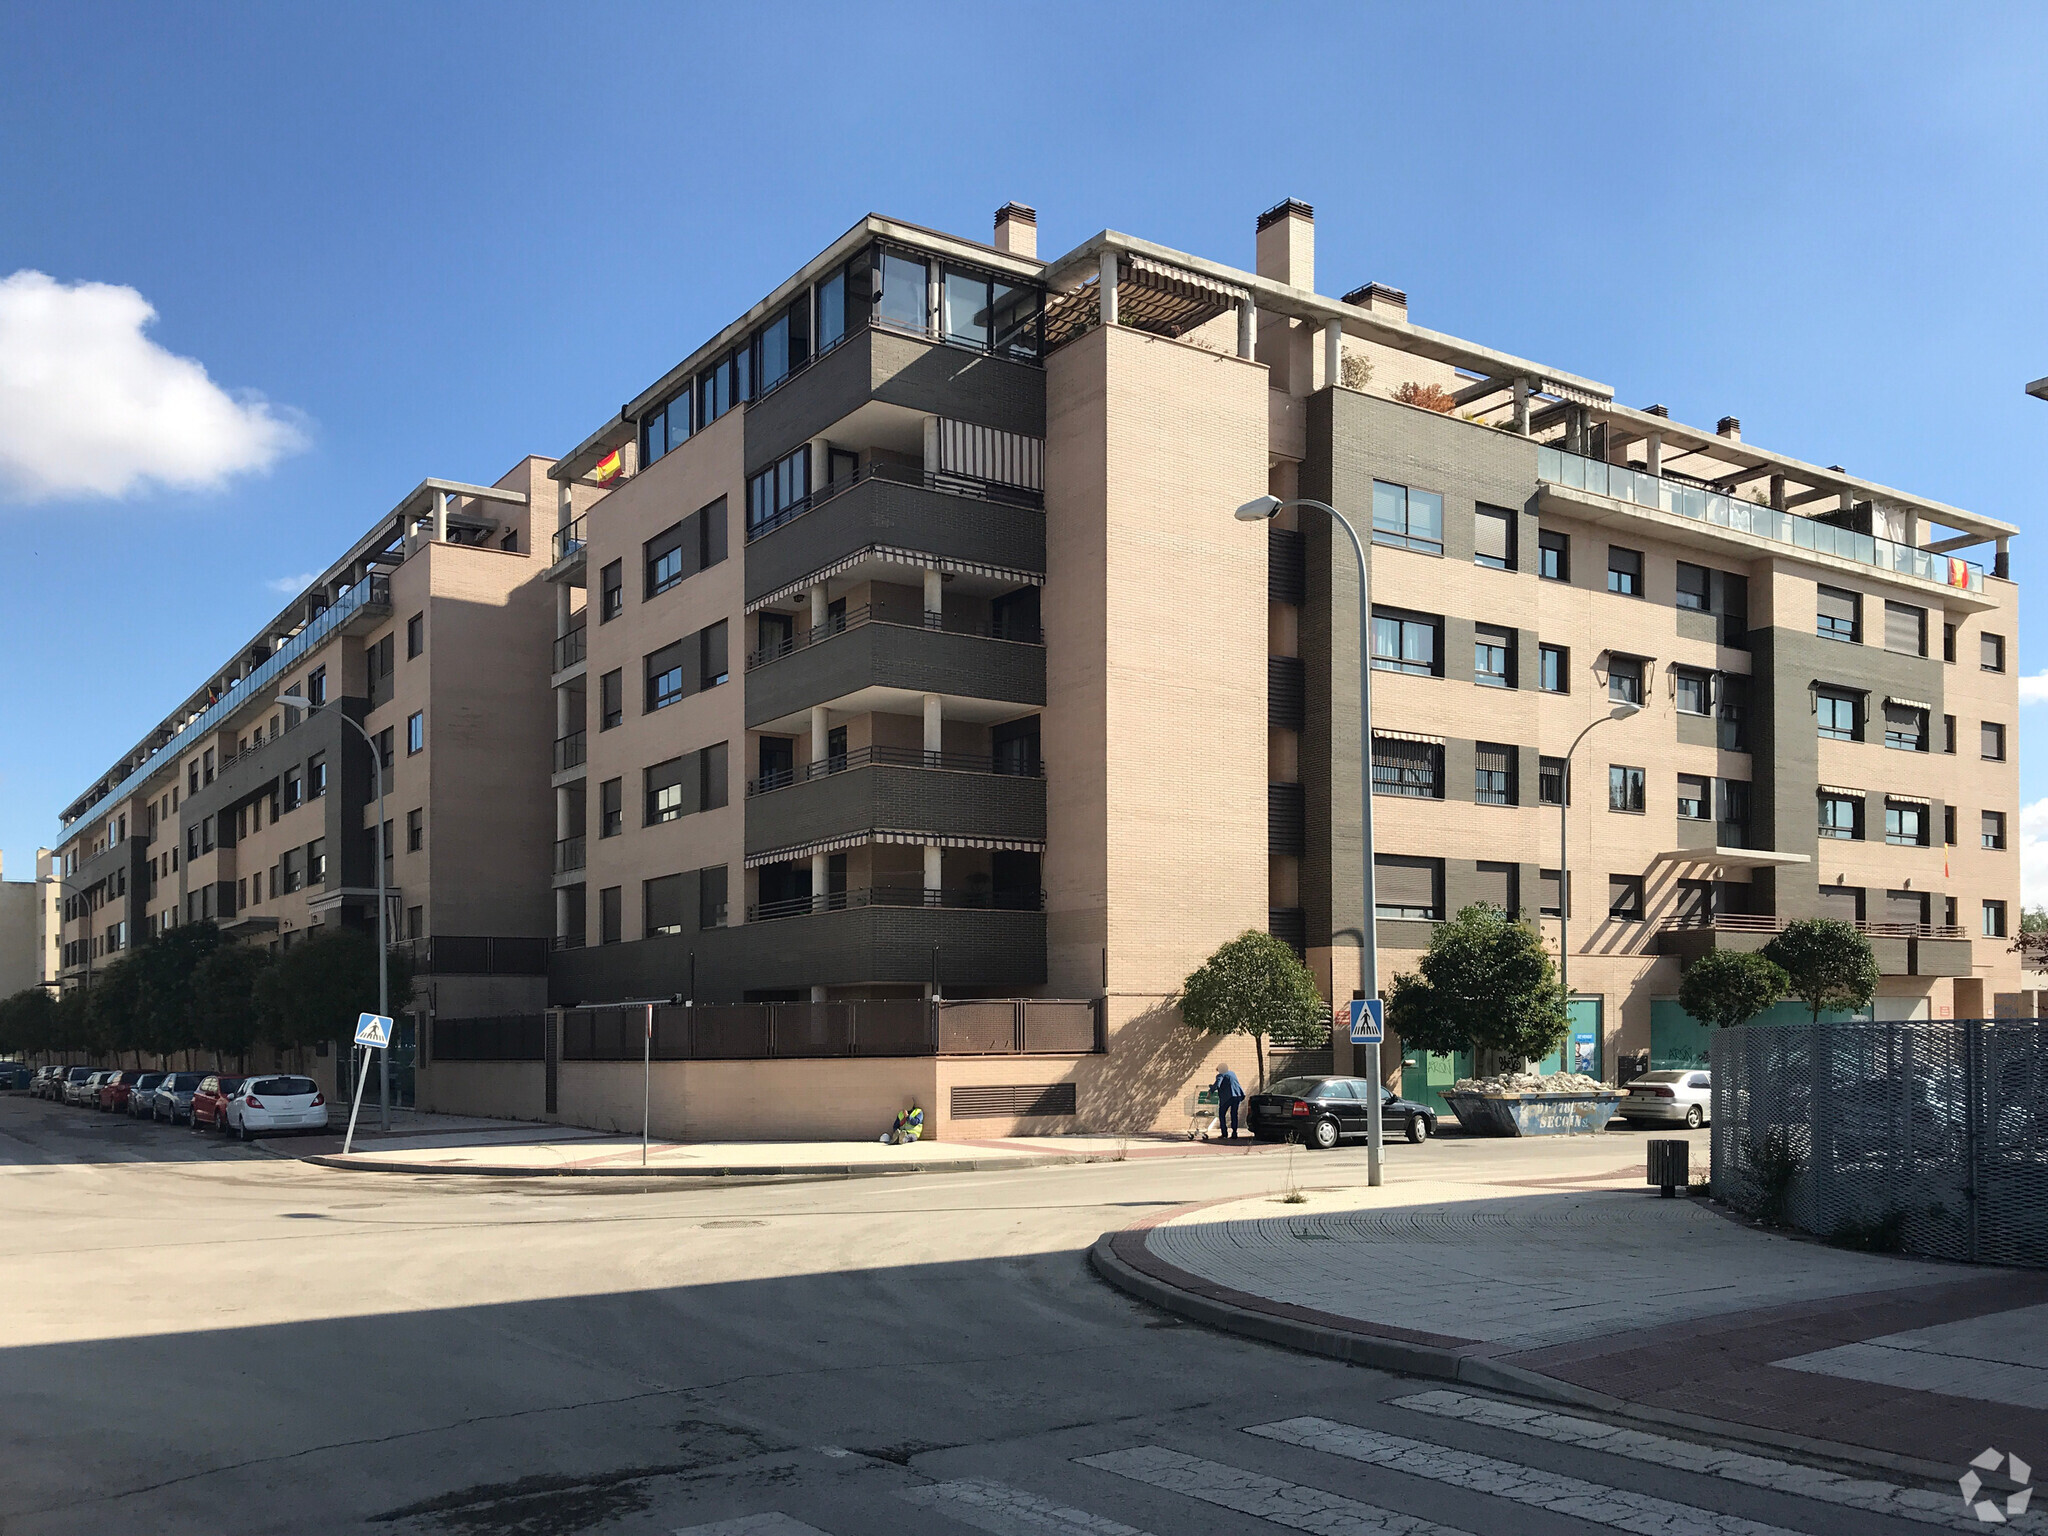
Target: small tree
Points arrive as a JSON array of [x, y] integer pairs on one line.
[[316, 989], [1726, 987], [227, 1014], [1254, 985], [1431, 397], [28, 1022], [1486, 985], [1827, 963]]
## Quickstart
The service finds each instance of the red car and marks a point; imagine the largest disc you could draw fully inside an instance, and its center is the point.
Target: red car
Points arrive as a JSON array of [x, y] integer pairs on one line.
[[210, 1101], [115, 1089]]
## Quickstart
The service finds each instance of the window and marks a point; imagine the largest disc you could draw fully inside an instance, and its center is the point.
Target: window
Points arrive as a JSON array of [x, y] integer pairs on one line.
[[1948, 734], [711, 897], [206, 766], [611, 700], [1405, 766], [1905, 726], [1948, 642], [415, 830], [1405, 642], [1695, 903], [294, 790], [900, 294], [1625, 898], [682, 550], [778, 492], [1992, 829], [1624, 679], [415, 922], [1553, 894], [1554, 556], [289, 867], [1948, 826], [1624, 571], [611, 811], [1493, 773], [1553, 668], [316, 775], [1624, 788], [1407, 888], [1841, 816], [724, 385], [384, 752], [610, 915], [1991, 742], [316, 861], [1838, 615], [1407, 519], [696, 781], [1551, 788], [415, 732], [1840, 714], [832, 310], [1695, 797], [1493, 657], [1905, 823], [1493, 537], [316, 687], [1905, 629], [1991, 653], [1692, 691], [783, 344], [1695, 587], [665, 672], [661, 905], [612, 592], [1994, 919]]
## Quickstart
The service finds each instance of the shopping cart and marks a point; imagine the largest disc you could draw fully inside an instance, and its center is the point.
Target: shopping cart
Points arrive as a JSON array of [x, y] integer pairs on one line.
[[1201, 1112]]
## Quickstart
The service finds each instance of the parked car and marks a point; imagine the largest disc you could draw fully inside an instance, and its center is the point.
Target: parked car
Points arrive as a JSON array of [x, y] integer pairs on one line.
[[209, 1106], [82, 1086], [1321, 1111], [14, 1075], [262, 1104], [1669, 1098], [49, 1083], [67, 1079], [114, 1090], [141, 1094], [172, 1100]]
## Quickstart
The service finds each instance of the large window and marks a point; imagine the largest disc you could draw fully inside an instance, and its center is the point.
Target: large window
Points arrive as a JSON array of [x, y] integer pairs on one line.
[[1493, 657], [1905, 823], [1625, 898], [1695, 797], [1624, 788], [1554, 556], [1990, 741], [666, 427], [1493, 773], [1838, 615], [1692, 692], [1493, 537], [1552, 782], [1624, 571], [900, 296], [1624, 679], [784, 344], [1407, 888], [1841, 816], [1839, 714], [691, 665], [1695, 587], [832, 310], [1554, 668], [1992, 829], [1994, 919], [1405, 642], [777, 492], [725, 384], [684, 785], [685, 548], [1407, 766], [661, 905], [1407, 518], [1905, 726]]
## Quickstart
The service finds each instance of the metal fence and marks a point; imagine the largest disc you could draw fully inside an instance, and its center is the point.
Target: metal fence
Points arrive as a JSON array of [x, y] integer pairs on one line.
[[1929, 1136], [782, 1031]]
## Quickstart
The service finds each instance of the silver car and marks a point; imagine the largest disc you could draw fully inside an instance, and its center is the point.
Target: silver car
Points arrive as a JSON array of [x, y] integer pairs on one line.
[[172, 1100], [142, 1094], [1684, 1097], [82, 1086]]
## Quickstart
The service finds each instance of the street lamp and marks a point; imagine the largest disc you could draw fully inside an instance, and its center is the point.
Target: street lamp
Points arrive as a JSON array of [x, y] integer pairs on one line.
[[1621, 711], [77, 890], [1259, 511], [293, 705]]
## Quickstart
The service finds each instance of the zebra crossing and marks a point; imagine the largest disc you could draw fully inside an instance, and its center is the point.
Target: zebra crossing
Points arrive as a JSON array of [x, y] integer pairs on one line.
[[1520, 1494]]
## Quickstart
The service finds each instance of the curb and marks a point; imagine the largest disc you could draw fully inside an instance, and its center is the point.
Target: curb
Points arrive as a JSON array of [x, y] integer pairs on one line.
[[1439, 1363], [356, 1163]]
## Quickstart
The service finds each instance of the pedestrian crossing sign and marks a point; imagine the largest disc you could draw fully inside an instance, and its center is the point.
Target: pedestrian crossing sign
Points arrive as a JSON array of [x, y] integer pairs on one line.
[[1368, 1021], [373, 1029]]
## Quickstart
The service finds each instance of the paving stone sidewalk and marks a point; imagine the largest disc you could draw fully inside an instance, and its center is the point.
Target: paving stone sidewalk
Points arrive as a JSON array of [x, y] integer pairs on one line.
[[1603, 1294]]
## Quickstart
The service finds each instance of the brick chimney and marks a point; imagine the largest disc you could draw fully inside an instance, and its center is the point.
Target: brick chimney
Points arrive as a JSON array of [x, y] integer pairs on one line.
[[1287, 244], [1730, 427], [1017, 229], [1380, 299]]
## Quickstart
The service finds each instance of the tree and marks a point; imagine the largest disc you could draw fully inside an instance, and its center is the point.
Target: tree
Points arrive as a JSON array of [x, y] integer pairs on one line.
[[1486, 985], [28, 1022], [1253, 985], [318, 987], [1726, 987], [1827, 963], [227, 1010], [169, 973], [114, 1008], [1431, 397]]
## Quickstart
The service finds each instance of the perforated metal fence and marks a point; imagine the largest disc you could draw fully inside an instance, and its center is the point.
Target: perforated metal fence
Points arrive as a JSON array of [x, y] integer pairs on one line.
[[1931, 1136]]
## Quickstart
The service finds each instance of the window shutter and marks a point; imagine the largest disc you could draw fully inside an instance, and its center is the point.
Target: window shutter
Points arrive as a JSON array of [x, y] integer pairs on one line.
[[1495, 885], [1490, 534], [714, 760], [1837, 604], [1905, 906], [1841, 902], [663, 905], [1404, 882], [983, 453], [1905, 629]]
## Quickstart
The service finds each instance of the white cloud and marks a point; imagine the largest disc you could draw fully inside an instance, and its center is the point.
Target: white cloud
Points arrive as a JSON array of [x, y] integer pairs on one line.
[[2034, 854], [292, 586], [2034, 690], [90, 406]]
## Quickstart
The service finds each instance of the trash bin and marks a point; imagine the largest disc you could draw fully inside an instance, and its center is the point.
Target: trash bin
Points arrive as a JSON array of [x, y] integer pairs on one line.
[[1668, 1166]]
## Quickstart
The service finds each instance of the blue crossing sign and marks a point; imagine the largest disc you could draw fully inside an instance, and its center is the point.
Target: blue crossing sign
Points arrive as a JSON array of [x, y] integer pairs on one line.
[[1368, 1021], [373, 1029]]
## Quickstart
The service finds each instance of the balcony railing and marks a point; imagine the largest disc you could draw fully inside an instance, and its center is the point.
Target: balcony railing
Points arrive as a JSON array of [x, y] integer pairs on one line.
[[1745, 922], [569, 854], [904, 474], [898, 896], [1578, 473], [571, 648], [770, 1031], [570, 751], [1021, 633], [897, 757], [571, 539]]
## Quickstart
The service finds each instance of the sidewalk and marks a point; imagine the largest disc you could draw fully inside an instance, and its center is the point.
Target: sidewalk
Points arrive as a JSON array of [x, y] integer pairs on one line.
[[1605, 1296]]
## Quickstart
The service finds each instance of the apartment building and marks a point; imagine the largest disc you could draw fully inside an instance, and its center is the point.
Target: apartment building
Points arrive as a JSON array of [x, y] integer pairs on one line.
[[20, 935], [416, 663]]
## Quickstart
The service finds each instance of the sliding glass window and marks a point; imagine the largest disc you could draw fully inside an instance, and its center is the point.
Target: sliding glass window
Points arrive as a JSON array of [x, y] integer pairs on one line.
[[832, 310], [901, 300]]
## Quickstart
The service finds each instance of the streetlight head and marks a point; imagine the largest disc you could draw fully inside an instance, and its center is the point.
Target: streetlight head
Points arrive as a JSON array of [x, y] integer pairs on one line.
[[1623, 710], [1258, 511]]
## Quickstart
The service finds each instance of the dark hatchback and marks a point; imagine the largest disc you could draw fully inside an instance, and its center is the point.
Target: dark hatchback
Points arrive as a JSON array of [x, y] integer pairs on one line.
[[1321, 1111]]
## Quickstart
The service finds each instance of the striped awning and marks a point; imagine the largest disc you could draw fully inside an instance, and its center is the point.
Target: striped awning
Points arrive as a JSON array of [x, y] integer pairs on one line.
[[895, 556], [1894, 796], [1386, 735], [1910, 703], [880, 835], [1837, 789]]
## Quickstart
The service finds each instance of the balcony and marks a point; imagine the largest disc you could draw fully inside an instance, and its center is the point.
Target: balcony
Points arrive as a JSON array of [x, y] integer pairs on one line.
[[570, 751], [942, 793], [1902, 949], [570, 649], [569, 854], [569, 546], [781, 1031], [1746, 520], [898, 896], [861, 652]]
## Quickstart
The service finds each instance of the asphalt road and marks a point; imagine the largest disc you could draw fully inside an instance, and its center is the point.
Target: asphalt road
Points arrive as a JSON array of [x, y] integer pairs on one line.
[[200, 1336]]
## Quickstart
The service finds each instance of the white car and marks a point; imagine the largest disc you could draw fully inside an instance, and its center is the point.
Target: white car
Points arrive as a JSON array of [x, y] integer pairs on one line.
[[264, 1104], [1670, 1098]]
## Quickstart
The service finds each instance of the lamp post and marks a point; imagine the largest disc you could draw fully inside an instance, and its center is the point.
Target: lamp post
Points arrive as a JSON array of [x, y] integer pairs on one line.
[[1621, 711], [85, 917], [1263, 510], [294, 706]]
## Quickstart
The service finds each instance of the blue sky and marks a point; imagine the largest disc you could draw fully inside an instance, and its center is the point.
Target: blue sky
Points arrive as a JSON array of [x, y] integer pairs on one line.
[[436, 238]]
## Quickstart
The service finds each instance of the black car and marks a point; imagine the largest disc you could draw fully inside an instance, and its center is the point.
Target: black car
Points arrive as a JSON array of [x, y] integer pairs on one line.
[[1321, 1111]]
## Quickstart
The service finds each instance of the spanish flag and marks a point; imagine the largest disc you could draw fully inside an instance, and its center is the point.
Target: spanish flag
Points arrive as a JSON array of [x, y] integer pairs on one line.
[[1958, 573], [608, 468]]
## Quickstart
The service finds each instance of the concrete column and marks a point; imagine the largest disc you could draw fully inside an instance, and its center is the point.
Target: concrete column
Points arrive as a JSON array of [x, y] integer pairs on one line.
[[1107, 288], [817, 994], [440, 517], [1522, 406], [564, 615], [1247, 328], [934, 599], [934, 719], [819, 605], [819, 732], [1778, 493], [933, 865], [821, 871], [821, 464], [931, 445], [2001, 562], [1333, 352], [1655, 463]]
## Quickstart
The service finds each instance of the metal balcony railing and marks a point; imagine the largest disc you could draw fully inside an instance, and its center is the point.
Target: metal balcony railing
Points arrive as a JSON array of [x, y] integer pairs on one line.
[[571, 648], [1016, 631], [569, 854], [570, 540], [903, 474], [899, 896], [1745, 922], [900, 757], [570, 751]]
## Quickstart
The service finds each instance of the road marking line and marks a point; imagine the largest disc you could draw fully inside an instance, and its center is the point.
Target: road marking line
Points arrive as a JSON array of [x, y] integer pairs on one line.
[[773, 1523], [1744, 1467], [1267, 1498], [1595, 1503], [1006, 1511]]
